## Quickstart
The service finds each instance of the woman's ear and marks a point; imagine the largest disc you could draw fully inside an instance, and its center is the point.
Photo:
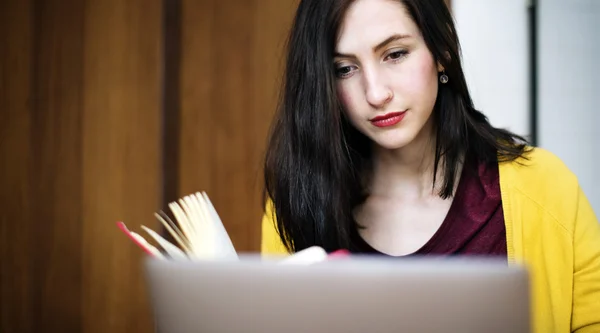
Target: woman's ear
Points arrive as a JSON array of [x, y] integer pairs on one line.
[[448, 57], [448, 60]]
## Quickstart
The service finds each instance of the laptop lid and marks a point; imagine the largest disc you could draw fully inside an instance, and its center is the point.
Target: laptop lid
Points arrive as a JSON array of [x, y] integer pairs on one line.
[[353, 295]]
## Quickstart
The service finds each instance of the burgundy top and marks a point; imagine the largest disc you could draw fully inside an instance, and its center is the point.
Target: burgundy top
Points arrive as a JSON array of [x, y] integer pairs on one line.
[[474, 224]]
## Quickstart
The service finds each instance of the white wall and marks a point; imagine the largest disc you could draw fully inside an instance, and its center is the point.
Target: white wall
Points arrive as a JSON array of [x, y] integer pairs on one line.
[[496, 59], [494, 37], [569, 87]]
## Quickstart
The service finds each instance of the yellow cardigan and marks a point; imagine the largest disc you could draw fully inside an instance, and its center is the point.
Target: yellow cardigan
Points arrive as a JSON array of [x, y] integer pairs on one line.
[[551, 228]]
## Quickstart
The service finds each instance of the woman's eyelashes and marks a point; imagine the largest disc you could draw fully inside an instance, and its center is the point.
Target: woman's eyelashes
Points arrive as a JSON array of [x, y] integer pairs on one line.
[[343, 70], [396, 55]]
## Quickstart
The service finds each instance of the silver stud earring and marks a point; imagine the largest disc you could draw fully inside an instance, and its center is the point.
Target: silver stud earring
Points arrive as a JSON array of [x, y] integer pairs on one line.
[[444, 78]]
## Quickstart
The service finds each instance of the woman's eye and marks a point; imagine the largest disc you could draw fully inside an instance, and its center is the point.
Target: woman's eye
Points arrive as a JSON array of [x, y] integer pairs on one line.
[[343, 71], [396, 55]]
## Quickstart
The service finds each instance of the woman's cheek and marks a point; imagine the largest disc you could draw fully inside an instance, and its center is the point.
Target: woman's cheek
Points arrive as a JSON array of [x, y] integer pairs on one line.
[[421, 78], [346, 98]]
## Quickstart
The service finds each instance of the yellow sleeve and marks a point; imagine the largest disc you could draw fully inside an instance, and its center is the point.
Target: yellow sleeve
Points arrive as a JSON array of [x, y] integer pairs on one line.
[[270, 243], [586, 270]]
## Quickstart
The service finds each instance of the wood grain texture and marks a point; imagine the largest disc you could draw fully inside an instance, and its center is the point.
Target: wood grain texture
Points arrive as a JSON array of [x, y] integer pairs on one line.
[[80, 96], [16, 240], [230, 67], [56, 163], [121, 157], [82, 141]]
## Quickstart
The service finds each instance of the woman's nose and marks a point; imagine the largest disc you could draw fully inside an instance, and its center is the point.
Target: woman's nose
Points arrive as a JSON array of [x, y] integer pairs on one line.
[[378, 93]]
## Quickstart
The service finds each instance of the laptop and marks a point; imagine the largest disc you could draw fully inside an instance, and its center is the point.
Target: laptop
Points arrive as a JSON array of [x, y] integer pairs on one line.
[[358, 294]]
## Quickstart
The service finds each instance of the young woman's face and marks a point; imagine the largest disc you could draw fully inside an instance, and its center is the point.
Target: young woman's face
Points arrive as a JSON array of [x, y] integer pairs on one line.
[[387, 79]]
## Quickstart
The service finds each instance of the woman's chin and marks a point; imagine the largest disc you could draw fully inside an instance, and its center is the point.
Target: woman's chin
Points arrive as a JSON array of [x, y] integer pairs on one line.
[[396, 139], [392, 143]]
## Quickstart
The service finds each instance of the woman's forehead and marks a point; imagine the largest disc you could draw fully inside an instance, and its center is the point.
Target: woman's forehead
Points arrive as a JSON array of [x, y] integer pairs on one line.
[[369, 22]]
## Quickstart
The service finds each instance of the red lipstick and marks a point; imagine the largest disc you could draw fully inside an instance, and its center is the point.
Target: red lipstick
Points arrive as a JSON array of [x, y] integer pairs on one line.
[[388, 119]]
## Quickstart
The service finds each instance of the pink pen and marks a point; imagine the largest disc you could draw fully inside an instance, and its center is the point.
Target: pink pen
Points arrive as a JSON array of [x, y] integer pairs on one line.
[[129, 234], [338, 254]]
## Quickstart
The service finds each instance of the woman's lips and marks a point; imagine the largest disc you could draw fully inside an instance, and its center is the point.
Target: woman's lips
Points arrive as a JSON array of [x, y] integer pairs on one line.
[[388, 119]]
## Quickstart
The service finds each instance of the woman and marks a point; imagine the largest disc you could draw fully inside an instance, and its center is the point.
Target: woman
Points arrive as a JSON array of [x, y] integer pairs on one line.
[[377, 148]]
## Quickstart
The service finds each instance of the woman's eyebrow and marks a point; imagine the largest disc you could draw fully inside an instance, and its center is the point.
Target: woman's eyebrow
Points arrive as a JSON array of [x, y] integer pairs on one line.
[[379, 46], [390, 39]]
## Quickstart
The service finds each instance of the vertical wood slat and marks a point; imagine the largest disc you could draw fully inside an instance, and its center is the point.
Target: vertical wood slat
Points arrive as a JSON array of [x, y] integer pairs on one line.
[[40, 225], [230, 113], [56, 163], [195, 97], [229, 77], [121, 157], [271, 25], [80, 87], [16, 243], [172, 49]]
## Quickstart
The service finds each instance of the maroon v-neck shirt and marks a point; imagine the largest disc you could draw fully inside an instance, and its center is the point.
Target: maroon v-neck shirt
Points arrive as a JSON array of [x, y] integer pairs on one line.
[[474, 224]]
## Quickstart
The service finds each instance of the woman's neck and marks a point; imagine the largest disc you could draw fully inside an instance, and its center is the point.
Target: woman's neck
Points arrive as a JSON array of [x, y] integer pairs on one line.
[[406, 172]]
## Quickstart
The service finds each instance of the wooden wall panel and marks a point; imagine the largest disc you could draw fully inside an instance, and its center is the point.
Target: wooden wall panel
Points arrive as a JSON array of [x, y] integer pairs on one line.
[[121, 157], [56, 163], [41, 163], [82, 143], [231, 58], [80, 99], [16, 242]]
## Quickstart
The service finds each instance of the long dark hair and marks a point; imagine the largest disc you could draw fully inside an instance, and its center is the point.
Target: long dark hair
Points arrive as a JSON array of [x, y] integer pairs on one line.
[[316, 161]]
